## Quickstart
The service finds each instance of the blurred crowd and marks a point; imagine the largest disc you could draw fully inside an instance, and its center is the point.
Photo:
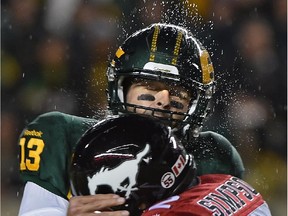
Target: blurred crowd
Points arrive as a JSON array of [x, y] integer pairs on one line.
[[54, 55]]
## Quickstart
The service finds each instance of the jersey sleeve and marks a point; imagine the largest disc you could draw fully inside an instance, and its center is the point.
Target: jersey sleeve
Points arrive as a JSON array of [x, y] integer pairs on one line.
[[236, 164], [215, 154], [38, 201], [45, 150]]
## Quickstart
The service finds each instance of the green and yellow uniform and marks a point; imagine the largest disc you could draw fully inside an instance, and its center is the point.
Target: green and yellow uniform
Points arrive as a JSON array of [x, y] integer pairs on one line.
[[47, 144]]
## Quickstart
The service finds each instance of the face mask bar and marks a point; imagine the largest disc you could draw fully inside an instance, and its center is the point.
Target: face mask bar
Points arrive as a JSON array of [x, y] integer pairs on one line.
[[167, 118]]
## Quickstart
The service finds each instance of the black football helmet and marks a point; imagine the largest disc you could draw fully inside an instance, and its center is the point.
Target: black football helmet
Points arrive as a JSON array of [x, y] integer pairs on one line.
[[168, 53], [132, 155]]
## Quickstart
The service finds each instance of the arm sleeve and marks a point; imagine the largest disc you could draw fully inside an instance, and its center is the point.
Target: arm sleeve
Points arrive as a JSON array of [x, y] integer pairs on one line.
[[45, 150], [215, 154], [237, 166], [38, 201], [261, 210]]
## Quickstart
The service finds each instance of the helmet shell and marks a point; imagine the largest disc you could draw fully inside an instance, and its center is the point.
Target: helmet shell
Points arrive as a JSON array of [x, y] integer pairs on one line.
[[163, 52], [167, 49], [134, 156]]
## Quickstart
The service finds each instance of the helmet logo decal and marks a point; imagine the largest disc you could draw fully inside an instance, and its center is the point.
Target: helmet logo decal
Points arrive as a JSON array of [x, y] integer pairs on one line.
[[168, 179], [161, 67], [154, 43], [177, 48], [114, 177], [207, 67], [119, 52], [179, 165]]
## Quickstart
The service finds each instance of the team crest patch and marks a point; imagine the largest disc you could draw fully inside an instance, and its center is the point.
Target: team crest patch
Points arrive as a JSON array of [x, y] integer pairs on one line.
[[164, 68], [168, 179]]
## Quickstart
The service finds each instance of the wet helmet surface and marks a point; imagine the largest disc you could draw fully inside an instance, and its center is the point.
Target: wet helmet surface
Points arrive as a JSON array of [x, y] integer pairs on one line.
[[167, 53], [134, 156]]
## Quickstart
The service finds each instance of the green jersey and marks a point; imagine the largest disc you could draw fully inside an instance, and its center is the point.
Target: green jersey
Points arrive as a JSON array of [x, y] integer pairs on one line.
[[48, 142]]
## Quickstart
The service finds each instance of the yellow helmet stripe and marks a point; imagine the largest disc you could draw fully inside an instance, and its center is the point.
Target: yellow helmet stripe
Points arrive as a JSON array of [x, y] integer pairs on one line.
[[154, 43], [207, 67], [177, 47], [119, 52]]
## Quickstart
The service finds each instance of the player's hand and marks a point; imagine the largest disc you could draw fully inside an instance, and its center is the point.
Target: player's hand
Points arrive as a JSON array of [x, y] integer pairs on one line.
[[96, 204]]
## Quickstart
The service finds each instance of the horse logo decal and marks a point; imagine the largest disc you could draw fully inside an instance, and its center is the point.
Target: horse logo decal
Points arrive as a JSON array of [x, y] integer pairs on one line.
[[114, 177]]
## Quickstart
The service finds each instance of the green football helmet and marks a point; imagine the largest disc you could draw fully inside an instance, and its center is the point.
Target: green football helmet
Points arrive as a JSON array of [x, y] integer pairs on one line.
[[168, 53]]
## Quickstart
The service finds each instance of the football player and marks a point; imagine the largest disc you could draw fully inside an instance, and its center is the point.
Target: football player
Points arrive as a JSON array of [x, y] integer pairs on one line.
[[145, 162], [162, 71]]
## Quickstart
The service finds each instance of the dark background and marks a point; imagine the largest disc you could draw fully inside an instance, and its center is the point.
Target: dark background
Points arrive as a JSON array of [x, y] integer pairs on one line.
[[54, 55]]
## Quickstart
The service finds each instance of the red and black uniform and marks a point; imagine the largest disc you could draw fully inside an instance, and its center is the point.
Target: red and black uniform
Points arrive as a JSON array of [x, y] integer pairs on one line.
[[217, 195]]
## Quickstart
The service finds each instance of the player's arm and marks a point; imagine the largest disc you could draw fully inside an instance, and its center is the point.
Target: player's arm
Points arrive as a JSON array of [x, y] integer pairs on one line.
[[45, 149], [45, 146], [42, 150], [226, 158], [37, 201], [237, 166], [262, 210]]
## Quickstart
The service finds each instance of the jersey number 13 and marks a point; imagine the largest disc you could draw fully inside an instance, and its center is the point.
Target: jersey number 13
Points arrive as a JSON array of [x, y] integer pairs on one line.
[[30, 157]]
